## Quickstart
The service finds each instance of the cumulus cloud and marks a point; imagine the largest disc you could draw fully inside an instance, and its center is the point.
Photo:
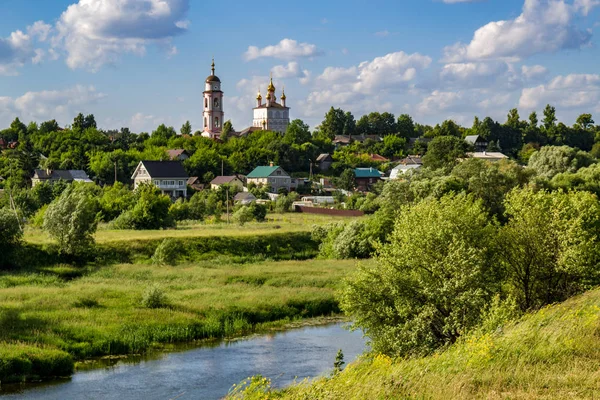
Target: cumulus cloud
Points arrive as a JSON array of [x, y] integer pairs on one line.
[[574, 91], [98, 32], [19, 48], [543, 26], [287, 49], [291, 70], [61, 105]]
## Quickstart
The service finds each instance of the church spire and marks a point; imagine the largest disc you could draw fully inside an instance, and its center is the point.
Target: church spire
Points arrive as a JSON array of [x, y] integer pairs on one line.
[[213, 66]]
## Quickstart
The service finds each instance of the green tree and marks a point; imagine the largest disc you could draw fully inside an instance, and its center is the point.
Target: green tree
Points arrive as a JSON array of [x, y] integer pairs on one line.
[[10, 236], [186, 128], [550, 246], [431, 282], [444, 152], [406, 126], [297, 132], [585, 121], [549, 120], [71, 221], [336, 122], [151, 210], [346, 180], [551, 160], [242, 215]]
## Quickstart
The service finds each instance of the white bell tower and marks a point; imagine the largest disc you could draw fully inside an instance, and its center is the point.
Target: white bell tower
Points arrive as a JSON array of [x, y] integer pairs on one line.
[[213, 106]]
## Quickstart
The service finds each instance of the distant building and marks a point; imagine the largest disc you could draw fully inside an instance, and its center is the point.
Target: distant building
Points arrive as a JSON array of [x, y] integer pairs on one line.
[[178, 154], [195, 183], [213, 115], [407, 164], [232, 180], [271, 115], [169, 176], [488, 155], [364, 178], [51, 176], [273, 176], [345, 140], [378, 158], [324, 161], [479, 143], [244, 198]]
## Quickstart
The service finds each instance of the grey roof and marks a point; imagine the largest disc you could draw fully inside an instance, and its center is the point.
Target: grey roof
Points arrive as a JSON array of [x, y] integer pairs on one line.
[[474, 139], [165, 169], [323, 157], [61, 174], [412, 160], [244, 196], [221, 180]]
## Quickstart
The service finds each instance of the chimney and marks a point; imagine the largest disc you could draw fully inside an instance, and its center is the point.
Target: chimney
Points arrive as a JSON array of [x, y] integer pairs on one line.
[[271, 164]]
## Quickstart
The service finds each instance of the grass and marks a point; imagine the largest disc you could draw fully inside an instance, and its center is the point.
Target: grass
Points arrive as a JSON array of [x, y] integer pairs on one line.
[[61, 316], [276, 223], [551, 354]]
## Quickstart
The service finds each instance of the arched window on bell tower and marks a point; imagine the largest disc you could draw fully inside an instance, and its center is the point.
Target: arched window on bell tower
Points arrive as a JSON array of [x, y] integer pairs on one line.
[[205, 122], [205, 102], [216, 122], [216, 102]]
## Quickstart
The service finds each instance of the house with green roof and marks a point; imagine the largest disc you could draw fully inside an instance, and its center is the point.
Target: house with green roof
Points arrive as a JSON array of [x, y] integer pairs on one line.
[[364, 178], [273, 176]]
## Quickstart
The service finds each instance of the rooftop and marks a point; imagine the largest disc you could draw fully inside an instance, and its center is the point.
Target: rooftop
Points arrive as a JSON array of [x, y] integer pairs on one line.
[[165, 169], [263, 171], [367, 173], [222, 180]]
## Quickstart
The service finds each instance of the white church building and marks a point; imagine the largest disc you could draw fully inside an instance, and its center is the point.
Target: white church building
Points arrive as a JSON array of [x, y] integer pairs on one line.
[[268, 116]]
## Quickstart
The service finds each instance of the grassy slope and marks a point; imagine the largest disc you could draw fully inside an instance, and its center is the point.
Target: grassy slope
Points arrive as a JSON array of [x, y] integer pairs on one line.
[[276, 223], [551, 354]]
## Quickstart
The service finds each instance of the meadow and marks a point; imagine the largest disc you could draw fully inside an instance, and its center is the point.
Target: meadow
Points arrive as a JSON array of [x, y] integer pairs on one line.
[[230, 281]]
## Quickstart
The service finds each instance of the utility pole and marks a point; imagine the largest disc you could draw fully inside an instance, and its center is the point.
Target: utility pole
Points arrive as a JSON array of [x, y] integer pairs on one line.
[[310, 174], [222, 169], [227, 191], [115, 171]]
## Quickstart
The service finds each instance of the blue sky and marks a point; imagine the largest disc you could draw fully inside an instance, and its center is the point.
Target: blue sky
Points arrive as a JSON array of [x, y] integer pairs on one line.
[[139, 63]]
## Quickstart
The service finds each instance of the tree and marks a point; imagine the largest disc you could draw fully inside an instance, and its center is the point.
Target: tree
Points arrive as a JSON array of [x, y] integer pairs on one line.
[[71, 221], [336, 122], [151, 210], [550, 246], [242, 215], [444, 152], [406, 126], [585, 121], [551, 160], [431, 282], [10, 236], [297, 132], [549, 120], [346, 180], [186, 129]]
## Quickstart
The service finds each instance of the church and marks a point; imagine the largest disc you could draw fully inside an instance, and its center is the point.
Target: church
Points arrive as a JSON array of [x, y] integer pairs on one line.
[[268, 116]]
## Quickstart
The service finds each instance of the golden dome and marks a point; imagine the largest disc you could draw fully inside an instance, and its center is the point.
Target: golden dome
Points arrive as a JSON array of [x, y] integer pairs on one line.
[[283, 94], [269, 96], [259, 96], [271, 87]]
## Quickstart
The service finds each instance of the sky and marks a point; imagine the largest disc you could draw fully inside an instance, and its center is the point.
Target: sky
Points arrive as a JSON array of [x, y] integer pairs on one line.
[[140, 63]]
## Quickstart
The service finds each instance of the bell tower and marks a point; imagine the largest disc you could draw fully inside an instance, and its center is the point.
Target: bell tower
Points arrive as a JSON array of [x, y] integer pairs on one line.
[[213, 106]]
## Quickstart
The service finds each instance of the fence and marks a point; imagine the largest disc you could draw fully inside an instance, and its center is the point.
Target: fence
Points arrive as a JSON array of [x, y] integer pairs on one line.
[[329, 211]]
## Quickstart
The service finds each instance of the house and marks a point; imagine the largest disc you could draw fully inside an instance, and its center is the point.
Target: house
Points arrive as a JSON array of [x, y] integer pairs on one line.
[[488, 155], [273, 176], [364, 178], [178, 154], [244, 198], [51, 176], [407, 164], [232, 180], [195, 183], [324, 161], [345, 140], [169, 176], [479, 143]]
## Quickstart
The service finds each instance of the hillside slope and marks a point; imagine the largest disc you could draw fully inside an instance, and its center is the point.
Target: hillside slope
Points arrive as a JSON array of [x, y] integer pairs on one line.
[[550, 354]]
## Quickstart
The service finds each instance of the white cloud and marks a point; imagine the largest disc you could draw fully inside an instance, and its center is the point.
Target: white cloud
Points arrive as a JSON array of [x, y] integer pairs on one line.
[[576, 91], [585, 6], [287, 49], [19, 48], [544, 26], [534, 71], [291, 70], [98, 32], [61, 105]]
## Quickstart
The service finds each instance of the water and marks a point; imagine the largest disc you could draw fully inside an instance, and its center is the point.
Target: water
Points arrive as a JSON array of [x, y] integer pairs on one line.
[[209, 372]]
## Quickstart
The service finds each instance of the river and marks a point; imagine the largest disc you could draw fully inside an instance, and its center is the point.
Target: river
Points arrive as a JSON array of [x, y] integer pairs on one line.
[[208, 372]]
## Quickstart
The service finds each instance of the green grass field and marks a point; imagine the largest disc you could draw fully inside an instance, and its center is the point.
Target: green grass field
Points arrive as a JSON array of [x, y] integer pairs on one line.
[[551, 354], [276, 223], [100, 313]]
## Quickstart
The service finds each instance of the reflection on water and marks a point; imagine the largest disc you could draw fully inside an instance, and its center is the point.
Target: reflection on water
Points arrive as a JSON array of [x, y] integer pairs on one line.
[[208, 372]]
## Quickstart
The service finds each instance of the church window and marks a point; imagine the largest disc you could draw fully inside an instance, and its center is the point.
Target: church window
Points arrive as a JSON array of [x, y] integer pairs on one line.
[[205, 122], [216, 122], [205, 103], [216, 102]]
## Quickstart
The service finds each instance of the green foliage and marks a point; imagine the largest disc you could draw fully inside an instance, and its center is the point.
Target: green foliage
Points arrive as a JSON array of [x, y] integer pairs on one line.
[[71, 220], [338, 364], [444, 152], [431, 281], [550, 246], [346, 180], [115, 200], [243, 215], [552, 160], [284, 202], [10, 236], [154, 297], [151, 210], [167, 252]]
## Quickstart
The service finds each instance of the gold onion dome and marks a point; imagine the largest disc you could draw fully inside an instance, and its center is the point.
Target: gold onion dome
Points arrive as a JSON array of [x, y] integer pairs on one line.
[[283, 94], [269, 96], [271, 87], [259, 96]]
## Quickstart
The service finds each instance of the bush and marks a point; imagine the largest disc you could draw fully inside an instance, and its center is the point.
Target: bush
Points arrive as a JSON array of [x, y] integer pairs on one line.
[[151, 211], [167, 252], [154, 297], [352, 242], [180, 210], [259, 211], [72, 220], [243, 215], [10, 236], [115, 200], [38, 218]]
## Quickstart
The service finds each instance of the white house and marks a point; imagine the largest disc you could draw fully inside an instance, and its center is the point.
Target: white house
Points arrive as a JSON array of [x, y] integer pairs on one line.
[[232, 180], [407, 164], [169, 176], [273, 176], [51, 176]]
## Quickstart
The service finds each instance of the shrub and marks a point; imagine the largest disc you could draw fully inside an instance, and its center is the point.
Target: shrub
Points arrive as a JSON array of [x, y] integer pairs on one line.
[[259, 211], [167, 252], [38, 218], [431, 282], [71, 221], [352, 242], [154, 297], [180, 210], [10, 236], [151, 211], [115, 200], [243, 215]]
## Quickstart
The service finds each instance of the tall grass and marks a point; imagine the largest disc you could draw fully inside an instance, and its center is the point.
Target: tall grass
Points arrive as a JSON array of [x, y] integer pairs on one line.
[[101, 312]]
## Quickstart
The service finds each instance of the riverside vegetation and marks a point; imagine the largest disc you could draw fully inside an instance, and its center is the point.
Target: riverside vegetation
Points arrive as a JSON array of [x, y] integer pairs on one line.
[[215, 282]]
